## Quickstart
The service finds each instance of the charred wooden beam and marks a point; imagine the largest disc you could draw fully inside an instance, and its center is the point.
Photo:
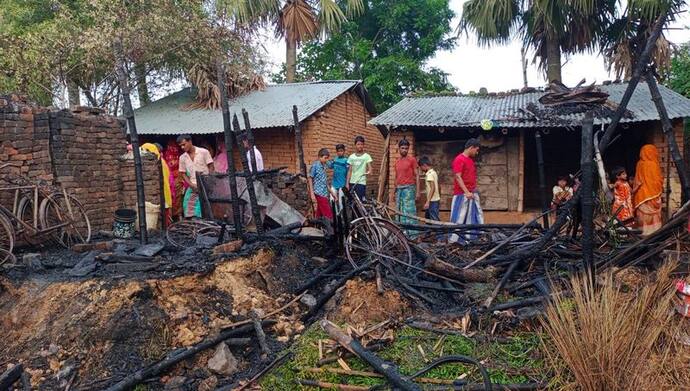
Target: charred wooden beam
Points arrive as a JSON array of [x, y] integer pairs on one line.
[[587, 201], [542, 178], [388, 370], [121, 71], [640, 68], [229, 142], [667, 128], [253, 203], [177, 356], [298, 143], [10, 377], [501, 284]]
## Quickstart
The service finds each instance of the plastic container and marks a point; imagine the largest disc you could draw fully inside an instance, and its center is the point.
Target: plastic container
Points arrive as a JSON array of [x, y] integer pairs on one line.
[[123, 224], [152, 213]]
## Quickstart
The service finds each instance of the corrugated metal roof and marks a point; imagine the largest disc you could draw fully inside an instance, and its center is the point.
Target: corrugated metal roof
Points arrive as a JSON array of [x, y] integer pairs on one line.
[[271, 107], [504, 111]]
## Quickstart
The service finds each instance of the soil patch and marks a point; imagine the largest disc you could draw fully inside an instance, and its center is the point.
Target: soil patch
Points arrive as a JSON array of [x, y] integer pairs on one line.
[[359, 304]]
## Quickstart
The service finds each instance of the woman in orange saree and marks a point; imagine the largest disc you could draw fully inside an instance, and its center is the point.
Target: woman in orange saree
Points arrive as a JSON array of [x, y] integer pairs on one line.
[[647, 189]]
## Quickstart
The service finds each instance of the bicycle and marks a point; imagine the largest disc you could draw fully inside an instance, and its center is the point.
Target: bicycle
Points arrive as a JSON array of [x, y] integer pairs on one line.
[[40, 211]]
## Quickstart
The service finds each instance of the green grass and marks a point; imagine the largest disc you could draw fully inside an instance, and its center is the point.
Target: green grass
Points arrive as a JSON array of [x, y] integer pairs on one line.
[[515, 361]]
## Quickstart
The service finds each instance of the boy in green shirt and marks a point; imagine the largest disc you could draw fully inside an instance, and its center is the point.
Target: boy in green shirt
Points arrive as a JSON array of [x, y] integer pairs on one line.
[[360, 167]]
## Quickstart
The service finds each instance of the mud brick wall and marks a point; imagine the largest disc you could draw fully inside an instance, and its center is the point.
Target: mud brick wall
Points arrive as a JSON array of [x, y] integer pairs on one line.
[[127, 194], [291, 189], [77, 149], [659, 140]]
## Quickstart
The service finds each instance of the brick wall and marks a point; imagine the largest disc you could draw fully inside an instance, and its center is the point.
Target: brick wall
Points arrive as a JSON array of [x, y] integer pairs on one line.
[[78, 150], [660, 141], [338, 123]]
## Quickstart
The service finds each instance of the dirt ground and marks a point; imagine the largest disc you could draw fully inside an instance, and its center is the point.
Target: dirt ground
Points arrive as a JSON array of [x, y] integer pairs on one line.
[[90, 333]]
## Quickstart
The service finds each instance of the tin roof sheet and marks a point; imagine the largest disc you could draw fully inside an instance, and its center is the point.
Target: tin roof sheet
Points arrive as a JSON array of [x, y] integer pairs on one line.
[[505, 111]]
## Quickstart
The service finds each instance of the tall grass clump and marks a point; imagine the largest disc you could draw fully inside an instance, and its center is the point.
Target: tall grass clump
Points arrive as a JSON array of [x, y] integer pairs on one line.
[[610, 338]]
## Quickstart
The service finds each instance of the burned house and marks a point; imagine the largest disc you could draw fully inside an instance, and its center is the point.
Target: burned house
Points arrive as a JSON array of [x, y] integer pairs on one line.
[[329, 112], [507, 169]]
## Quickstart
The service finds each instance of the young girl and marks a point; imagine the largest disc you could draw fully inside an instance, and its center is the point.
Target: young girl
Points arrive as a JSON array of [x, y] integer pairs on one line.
[[622, 197], [561, 193]]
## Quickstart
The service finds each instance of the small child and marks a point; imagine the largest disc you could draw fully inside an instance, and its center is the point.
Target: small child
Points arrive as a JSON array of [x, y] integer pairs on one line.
[[360, 167], [433, 197], [339, 166], [622, 197], [318, 185], [561, 193]]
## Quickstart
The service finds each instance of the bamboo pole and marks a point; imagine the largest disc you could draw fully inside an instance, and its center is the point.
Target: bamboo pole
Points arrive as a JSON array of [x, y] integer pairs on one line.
[[383, 172], [667, 128], [134, 138], [229, 141], [586, 200], [640, 68], [249, 178], [298, 143], [542, 178]]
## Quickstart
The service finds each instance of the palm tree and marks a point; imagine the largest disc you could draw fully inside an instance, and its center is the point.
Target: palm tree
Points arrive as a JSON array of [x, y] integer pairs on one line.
[[549, 27], [295, 21]]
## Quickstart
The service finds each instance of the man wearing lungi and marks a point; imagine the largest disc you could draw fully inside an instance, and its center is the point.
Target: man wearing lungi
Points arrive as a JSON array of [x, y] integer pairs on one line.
[[194, 159], [465, 207]]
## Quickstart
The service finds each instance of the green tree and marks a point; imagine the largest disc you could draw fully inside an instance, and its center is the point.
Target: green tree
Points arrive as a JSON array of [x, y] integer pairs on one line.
[[678, 77], [296, 21], [549, 27], [387, 47]]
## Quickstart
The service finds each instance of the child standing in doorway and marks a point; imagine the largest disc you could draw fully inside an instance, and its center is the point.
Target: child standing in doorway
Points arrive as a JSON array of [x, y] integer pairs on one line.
[[562, 192], [433, 197], [360, 167], [622, 197]]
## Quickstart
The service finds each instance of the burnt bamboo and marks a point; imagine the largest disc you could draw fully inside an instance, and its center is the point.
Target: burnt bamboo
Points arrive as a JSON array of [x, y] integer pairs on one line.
[[504, 280], [260, 335], [518, 303], [542, 178], [639, 69], [250, 138], [249, 178], [298, 143], [586, 199], [134, 138], [229, 136], [161, 189], [386, 369], [314, 280], [11, 376], [667, 128], [145, 373], [334, 287], [259, 375]]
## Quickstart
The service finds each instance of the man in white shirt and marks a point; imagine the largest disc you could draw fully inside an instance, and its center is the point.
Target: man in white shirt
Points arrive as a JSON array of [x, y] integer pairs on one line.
[[194, 159], [257, 155]]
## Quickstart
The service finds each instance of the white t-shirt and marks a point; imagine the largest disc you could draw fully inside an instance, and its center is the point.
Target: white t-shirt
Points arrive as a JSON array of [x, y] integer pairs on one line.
[[258, 157], [202, 158]]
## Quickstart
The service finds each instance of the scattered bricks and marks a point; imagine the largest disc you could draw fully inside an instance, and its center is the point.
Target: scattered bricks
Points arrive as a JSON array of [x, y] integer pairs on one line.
[[229, 247], [85, 247]]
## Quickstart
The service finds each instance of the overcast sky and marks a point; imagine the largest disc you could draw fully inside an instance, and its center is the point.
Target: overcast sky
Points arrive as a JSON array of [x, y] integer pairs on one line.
[[498, 68]]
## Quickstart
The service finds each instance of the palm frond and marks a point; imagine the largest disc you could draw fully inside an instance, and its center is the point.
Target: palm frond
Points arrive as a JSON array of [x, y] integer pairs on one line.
[[330, 15], [492, 21], [203, 78], [297, 21], [354, 8], [249, 11]]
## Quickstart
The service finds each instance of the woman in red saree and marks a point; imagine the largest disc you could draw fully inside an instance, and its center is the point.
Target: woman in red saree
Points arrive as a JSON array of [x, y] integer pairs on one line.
[[171, 154], [647, 189]]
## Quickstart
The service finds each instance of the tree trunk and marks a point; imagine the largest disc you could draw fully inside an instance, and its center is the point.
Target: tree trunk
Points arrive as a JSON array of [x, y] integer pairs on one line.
[[142, 86], [73, 93], [553, 59], [290, 60], [523, 64]]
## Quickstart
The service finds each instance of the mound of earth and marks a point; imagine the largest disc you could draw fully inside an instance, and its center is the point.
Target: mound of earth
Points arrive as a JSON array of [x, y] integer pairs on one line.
[[360, 304]]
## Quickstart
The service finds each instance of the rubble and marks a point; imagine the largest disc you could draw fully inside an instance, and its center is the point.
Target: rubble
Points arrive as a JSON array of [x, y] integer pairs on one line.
[[223, 362]]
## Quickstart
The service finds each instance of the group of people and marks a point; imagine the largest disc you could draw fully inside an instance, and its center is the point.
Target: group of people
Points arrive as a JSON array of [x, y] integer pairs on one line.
[[636, 200], [181, 160], [350, 174]]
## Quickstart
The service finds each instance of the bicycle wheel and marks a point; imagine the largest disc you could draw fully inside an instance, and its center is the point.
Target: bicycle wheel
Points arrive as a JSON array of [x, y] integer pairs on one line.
[[184, 233], [377, 240], [25, 213], [55, 211], [6, 240]]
